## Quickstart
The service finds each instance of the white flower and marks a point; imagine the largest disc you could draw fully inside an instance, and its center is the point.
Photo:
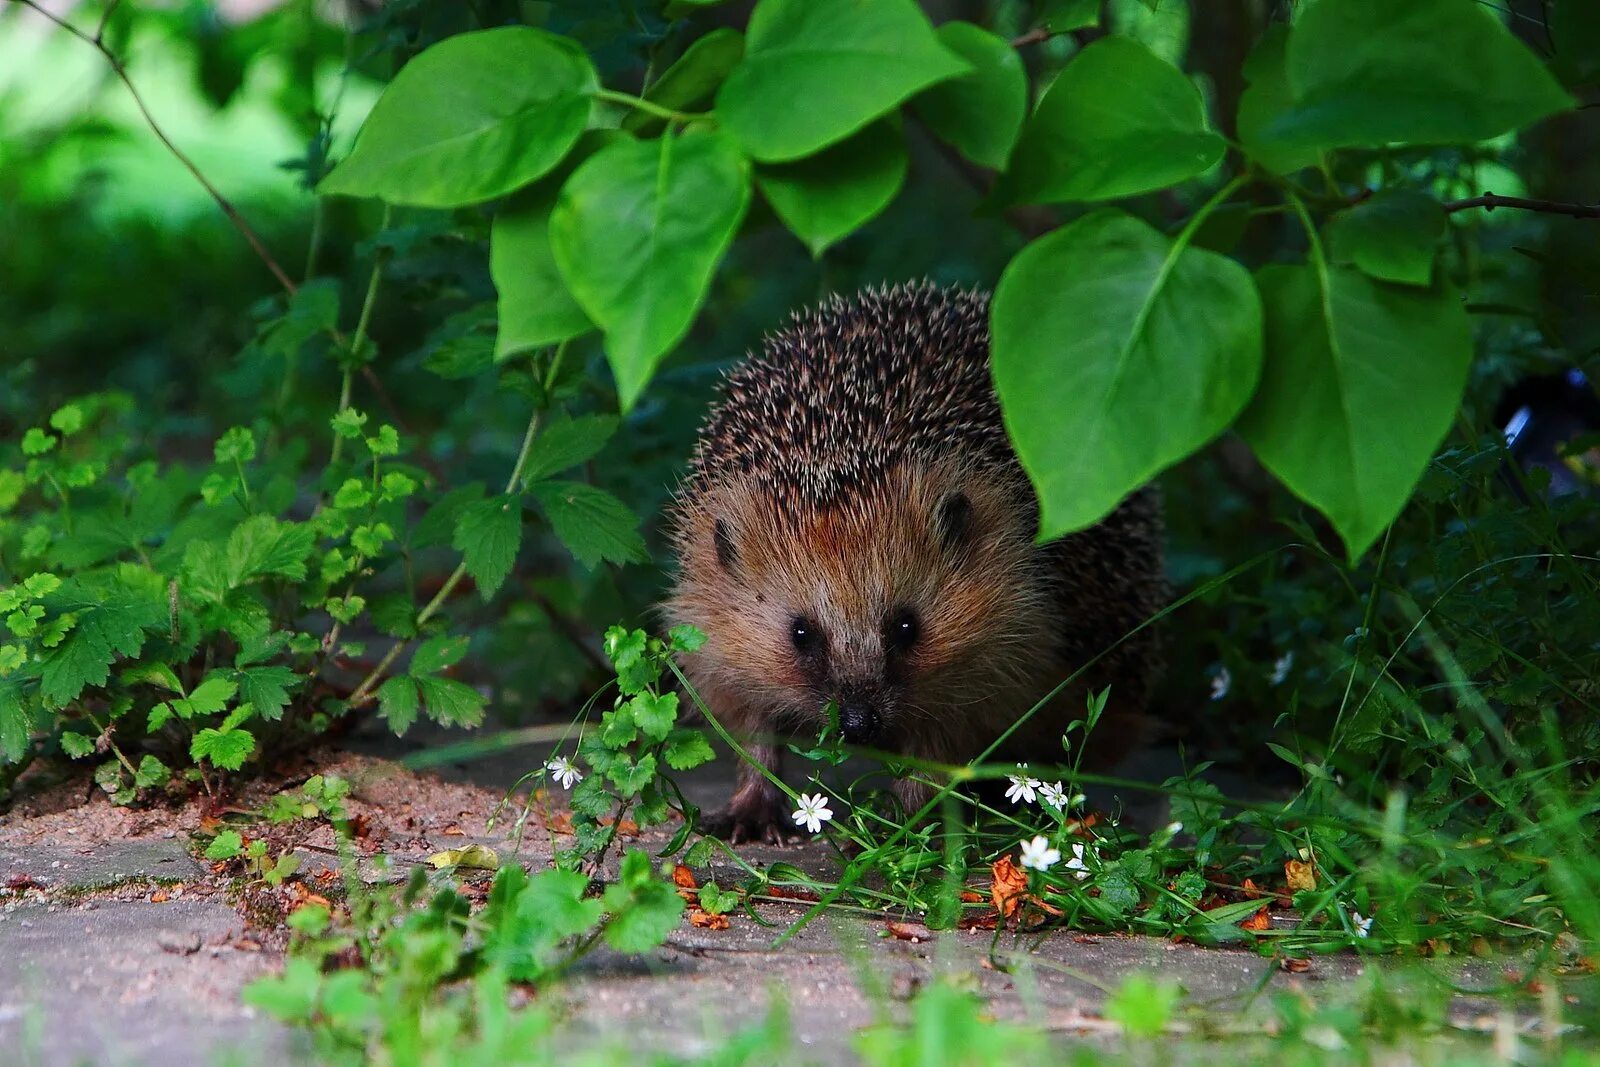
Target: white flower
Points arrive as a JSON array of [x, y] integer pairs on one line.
[[564, 771], [1363, 926], [1054, 795], [1038, 854], [1280, 668], [812, 812], [1171, 830], [1022, 786], [1079, 869], [1221, 682]]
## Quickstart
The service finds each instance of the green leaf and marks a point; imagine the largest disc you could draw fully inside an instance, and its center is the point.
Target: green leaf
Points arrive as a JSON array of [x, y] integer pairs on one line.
[[655, 714], [237, 445], [980, 114], [488, 535], [1143, 1005], [472, 118], [1096, 405], [617, 728], [816, 71], [76, 745], [830, 195], [208, 698], [1266, 98], [1116, 122], [536, 308], [14, 725], [630, 776], [692, 80], [399, 703], [643, 918], [225, 846], [113, 613], [1392, 236], [1064, 15], [638, 231], [347, 423], [563, 445], [267, 688], [263, 547], [37, 442], [593, 524], [1360, 383], [1372, 72], [152, 773], [227, 749], [438, 526], [687, 751], [437, 653], [450, 702]]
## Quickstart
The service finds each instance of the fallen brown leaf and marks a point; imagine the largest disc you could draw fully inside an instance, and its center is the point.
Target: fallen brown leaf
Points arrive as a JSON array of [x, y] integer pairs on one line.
[[1300, 876], [683, 878], [913, 932], [707, 921], [1261, 920], [160, 896], [1009, 888], [1294, 964]]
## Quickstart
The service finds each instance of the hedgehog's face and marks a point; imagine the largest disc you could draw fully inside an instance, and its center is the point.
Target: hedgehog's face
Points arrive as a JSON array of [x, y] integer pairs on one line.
[[900, 604]]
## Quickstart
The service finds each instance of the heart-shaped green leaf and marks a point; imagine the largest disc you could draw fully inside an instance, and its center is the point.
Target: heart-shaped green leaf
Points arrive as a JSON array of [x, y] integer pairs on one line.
[[1369, 72], [828, 196], [979, 114], [1117, 352], [637, 233], [1118, 121], [1266, 98], [816, 71], [1360, 382], [1392, 236], [471, 118]]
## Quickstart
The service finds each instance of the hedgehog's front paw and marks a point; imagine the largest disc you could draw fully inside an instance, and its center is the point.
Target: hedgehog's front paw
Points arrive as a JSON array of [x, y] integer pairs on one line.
[[763, 821]]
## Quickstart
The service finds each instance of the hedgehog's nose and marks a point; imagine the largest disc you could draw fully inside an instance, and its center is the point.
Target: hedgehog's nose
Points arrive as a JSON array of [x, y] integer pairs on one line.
[[859, 720]]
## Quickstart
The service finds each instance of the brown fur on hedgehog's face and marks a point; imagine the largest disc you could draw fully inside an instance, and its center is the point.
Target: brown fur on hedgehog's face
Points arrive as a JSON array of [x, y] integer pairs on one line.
[[902, 602]]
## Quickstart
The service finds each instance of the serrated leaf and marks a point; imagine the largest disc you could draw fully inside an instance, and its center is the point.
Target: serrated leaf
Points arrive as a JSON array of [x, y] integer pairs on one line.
[[76, 745], [450, 702], [848, 62], [207, 698], [1372, 72], [637, 233], [687, 751], [113, 613], [826, 197], [563, 445], [488, 534], [152, 773], [1118, 121], [630, 776], [593, 524], [227, 749], [438, 525], [1081, 400], [981, 113], [225, 846], [267, 688], [398, 703], [655, 714], [437, 653], [14, 725], [262, 547], [1360, 383], [473, 117]]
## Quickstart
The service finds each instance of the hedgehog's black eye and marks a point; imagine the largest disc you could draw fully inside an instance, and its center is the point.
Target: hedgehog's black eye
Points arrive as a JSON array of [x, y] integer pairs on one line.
[[954, 520], [901, 629], [806, 635]]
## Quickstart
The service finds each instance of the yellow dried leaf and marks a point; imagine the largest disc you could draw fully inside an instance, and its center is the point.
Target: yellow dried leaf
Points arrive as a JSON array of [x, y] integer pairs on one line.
[[480, 857]]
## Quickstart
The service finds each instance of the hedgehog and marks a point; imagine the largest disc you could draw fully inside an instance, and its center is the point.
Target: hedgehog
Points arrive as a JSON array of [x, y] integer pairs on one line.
[[855, 529]]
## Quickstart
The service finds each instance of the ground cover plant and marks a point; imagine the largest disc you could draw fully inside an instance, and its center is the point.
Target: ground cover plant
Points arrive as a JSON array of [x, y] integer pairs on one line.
[[474, 288]]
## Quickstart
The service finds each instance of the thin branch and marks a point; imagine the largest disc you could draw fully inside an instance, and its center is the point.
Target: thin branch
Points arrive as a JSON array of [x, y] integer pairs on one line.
[[223, 202], [1489, 201], [1034, 36]]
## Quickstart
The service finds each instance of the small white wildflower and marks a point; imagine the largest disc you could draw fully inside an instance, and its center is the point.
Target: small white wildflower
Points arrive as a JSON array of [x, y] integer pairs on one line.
[[812, 812], [1022, 786], [1053, 795], [564, 771], [1174, 829], [1080, 870], [1038, 854], [1221, 682], [1280, 668], [1363, 926]]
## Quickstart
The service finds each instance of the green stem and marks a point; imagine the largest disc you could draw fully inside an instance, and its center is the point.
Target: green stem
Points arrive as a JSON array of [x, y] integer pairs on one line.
[[360, 337], [363, 692], [638, 103]]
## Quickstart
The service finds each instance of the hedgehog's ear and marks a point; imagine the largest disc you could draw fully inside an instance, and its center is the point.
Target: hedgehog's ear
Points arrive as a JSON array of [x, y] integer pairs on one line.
[[722, 537], [953, 520]]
